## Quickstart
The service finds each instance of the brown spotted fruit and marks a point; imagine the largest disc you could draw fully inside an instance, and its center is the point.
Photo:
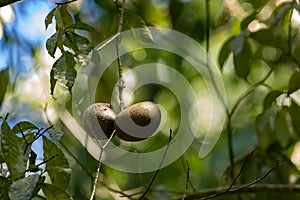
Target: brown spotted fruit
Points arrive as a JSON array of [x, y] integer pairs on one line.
[[137, 122], [98, 120]]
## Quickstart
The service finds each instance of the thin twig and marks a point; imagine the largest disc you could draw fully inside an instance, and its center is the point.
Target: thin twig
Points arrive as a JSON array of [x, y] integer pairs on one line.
[[121, 81], [289, 43], [6, 116], [45, 161], [250, 90], [159, 167], [97, 174], [253, 189], [187, 180], [247, 188], [38, 135], [229, 189], [99, 165], [257, 180], [232, 112], [234, 180], [108, 42], [207, 28]]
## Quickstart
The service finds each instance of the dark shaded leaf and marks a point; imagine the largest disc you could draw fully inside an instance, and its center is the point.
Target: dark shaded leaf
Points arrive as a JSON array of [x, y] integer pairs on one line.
[[281, 130], [3, 83], [63, 17], [263, 129], [49, 17], [79, 44], [225, 52], [242, 61], [294, 83], [295, 115], [268, 37], [280, 14], [23, 188], [296, 53], [270, 98], [52, 81], [248, 20], [83, 26], [57, 165], [53, 192], [24, 126], [4, 187], [51, 44], [12, 152], [63, 71]]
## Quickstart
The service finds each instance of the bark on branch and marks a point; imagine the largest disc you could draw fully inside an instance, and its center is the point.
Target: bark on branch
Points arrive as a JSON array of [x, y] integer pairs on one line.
[[7, 2], [258, 188]]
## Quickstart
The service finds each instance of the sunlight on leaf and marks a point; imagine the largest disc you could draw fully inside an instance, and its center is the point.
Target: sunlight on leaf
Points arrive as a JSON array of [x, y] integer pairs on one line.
[[23, 188], [63, 71]]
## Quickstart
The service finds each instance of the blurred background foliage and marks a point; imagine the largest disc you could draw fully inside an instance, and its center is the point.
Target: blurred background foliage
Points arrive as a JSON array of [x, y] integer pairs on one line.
[[255, 43]]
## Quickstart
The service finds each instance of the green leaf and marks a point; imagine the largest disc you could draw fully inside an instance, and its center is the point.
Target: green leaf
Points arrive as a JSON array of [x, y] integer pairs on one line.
[[280, 14], [12, 152], [263, 130], [242, 61], [248, 20], [3, 83], [281, 131], [270, 98], [4, 186], [83, 26], [294, 83], [57, 165], [24, 126], [51, 44], [268, 37], [49, 17], [134, 20], [63, 17], [52, 82], [63, 71], [79, 44], [23, 188], [295, 115], [53, 192], [225, 52]]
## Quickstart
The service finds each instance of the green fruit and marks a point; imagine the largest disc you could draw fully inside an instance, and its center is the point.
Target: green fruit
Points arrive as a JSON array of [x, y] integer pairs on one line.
[[98, 120], [138, 121]]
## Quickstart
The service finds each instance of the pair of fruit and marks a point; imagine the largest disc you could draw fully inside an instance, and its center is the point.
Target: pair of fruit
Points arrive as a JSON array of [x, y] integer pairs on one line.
[[135, 123]]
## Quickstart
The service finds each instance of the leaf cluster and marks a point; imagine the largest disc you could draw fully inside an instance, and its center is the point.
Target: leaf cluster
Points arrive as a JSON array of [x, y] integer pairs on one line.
[[22, 177], [73, 47]]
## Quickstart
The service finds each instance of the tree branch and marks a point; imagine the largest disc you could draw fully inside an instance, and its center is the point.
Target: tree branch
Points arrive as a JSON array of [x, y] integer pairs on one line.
[[7, 2], [121, 80], [187, 180], [258, 188], [99, 165], [246, 188], [159, 167]]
